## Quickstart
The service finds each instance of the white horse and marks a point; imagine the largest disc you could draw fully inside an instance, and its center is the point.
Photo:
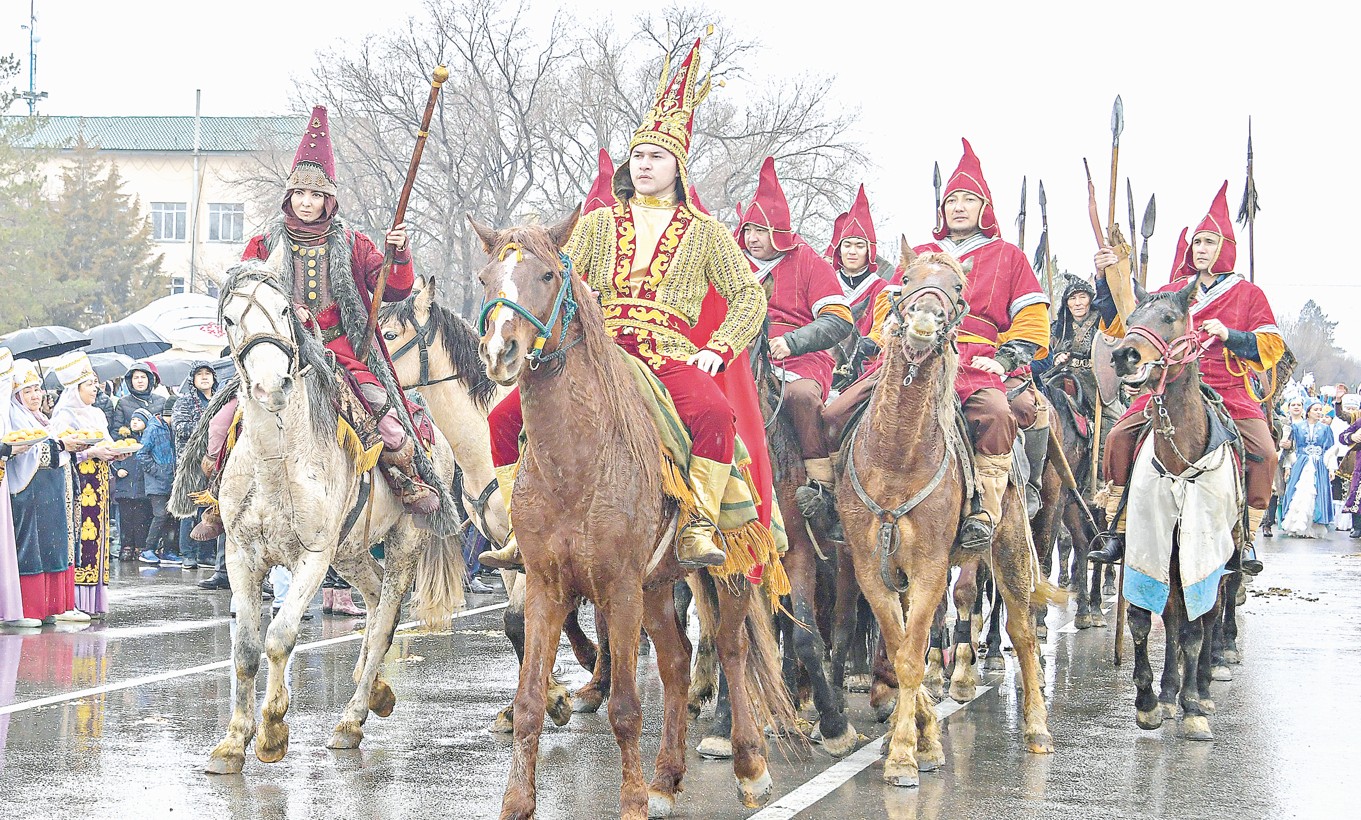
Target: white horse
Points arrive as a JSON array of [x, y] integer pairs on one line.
[[291, 496]]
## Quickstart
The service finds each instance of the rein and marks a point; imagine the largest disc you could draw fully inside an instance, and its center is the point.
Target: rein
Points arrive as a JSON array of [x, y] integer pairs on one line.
[[425, 336], [1177, 353], [902, 304], [564, 308], [285, 341]]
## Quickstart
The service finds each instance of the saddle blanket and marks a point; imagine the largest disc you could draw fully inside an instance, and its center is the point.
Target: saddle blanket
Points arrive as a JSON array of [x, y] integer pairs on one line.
[[1200, 507]]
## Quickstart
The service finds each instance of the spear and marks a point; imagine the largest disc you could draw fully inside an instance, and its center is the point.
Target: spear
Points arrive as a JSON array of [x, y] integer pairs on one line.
[[1092, 213], [437, 79], [1117, 127], [1247, 212], [1044, 244], [1133, 226], [1020, 219], [935, 180], [1146, 231]]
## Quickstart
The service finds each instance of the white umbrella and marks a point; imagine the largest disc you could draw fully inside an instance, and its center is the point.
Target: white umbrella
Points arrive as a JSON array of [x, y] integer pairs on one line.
[[187, 320]]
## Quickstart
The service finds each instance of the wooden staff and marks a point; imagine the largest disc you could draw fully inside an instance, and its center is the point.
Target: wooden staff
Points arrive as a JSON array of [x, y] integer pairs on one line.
[[437, 79]]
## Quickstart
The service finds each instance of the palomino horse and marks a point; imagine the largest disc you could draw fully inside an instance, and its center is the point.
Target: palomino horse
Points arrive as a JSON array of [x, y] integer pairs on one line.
[[291, 496], [593, 522], [1161, 351], [434, 351], [901, 516]]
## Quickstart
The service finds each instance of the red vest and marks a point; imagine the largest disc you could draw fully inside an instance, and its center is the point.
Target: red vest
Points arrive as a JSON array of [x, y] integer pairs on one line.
[[800, 285]]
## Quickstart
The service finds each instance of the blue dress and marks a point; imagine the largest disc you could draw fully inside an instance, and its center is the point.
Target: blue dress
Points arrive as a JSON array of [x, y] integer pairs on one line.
[[1308, 491]]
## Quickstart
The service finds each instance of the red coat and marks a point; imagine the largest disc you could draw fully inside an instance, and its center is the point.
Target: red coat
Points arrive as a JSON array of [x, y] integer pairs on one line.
[[365, 262], [861, 300], [804, 284], [1001, 283], [1240, 305]]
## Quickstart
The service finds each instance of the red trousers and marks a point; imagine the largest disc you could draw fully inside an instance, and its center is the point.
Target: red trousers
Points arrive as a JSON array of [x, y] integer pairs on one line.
[[702, 407]]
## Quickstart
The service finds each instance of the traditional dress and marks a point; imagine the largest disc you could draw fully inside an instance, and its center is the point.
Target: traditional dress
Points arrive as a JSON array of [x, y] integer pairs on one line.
[[1351, 503], [1308, 492], [1229, 367], [806, 309], [91, 487], [11, 598], [37, 484], [860, 288]]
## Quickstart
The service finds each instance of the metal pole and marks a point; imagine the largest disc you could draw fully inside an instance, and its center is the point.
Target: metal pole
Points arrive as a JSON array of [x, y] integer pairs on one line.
[[194, 191]]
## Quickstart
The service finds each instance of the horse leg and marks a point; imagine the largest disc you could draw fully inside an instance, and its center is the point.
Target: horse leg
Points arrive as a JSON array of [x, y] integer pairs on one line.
[[545, 611], [1095, 599], [845, 634], [229, 755], [993, 661], [1211, 656], [1014, 581], [1147, 712], [1064, 543], [704, 683], [1195, 724], [589, 698], [583, 647], [748, 739], [934, 681], [514, 625], [964, 679], [662, 622], [1108, 586], [789, 660], [367, 575], [1230, 619], [838, 735], [625, 621], [271, 744], [909, 753]]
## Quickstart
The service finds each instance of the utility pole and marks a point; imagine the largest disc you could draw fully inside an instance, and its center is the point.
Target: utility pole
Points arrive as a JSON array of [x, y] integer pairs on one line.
[[32, 95], [195, 192]]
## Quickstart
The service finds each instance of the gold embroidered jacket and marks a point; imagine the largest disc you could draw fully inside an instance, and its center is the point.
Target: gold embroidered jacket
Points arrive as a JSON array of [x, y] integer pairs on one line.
[[662, 304]]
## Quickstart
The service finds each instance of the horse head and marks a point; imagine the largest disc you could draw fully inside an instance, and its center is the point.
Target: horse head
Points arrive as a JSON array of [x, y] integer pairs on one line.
[[528, 300], [928, 308], [399, 322], [262, 333], [1161, 334]]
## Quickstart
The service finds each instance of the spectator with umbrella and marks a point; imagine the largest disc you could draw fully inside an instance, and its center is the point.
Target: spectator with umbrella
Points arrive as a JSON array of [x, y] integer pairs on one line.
[[44, 342], [127, 337]]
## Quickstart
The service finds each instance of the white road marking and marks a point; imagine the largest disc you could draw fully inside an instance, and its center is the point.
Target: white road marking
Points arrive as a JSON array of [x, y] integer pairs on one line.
[[832, 778], [207, 667]]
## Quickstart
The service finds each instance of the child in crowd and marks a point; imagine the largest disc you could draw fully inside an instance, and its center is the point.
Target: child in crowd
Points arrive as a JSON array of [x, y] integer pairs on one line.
[[129, 489], [157, 459]]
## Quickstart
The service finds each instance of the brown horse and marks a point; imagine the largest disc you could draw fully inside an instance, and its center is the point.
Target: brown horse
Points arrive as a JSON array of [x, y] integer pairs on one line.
[[593, 522], [919, 502]]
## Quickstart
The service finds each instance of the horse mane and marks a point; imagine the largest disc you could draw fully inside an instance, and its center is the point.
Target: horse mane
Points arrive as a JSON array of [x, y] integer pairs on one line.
[[460, 343]]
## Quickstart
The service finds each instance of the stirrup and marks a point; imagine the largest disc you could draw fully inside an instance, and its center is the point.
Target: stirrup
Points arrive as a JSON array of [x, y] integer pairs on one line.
[[701, 557], [1249, 562], [1112, 549], [975, 532]]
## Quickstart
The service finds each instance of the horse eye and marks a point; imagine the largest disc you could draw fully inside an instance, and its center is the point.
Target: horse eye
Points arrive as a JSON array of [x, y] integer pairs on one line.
[[547, 277], [390, 335]]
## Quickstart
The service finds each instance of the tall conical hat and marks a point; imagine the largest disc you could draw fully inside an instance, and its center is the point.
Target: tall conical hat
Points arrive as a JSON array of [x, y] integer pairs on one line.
[[858, 225], [968, 176], [769, 209], [601, 194], [314, 166], [1219, 223], [25, 374], [1181, 268], [671, 120], [838, 225]]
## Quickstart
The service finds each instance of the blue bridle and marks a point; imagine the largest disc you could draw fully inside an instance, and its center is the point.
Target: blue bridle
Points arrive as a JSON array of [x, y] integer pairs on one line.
[[564, 308]]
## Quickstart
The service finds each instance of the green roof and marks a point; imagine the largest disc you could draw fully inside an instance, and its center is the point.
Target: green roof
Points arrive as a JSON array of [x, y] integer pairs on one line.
[[217, 134]]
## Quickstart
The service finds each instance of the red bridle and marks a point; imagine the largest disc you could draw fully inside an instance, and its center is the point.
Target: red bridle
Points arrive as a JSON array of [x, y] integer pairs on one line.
[[1177, 353]]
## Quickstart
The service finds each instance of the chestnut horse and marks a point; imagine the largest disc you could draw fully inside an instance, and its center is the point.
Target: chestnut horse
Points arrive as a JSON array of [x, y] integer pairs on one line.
[[901, 516], [593, 522]]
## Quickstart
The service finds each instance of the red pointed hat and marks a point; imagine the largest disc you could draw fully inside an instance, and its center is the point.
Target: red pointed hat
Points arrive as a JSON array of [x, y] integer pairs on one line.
[[968, 176], [1180, 267], [670, 122], [858, 225], [601, 194], [314, 166], [838, 225], [1219, 223], [769, 209]]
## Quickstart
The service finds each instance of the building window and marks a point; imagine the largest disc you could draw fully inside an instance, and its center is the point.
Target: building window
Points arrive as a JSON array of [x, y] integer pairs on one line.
[[177, 284], [168, 221], [226, 222]]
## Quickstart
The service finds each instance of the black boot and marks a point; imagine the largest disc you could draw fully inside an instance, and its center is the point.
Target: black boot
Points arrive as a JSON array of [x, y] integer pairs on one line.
[[1112, 549], [1356, 525]]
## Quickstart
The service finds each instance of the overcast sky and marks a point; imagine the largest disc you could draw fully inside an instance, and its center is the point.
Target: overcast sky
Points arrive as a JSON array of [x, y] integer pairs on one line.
[[1030, 85]]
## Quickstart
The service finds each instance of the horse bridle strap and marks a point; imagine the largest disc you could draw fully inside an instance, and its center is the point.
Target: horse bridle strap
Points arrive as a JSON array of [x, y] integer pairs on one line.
[[564, 308], [285, 342], [1179, 352], [424, 337]]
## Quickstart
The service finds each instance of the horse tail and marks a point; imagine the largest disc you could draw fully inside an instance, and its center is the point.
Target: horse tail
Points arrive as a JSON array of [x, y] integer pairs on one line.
[[704, 677], [439, 581], [765, 679], [1046, 594]]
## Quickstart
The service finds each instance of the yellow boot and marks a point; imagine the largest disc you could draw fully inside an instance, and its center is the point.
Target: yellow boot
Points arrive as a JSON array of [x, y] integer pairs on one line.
[[992, 473], [508, 556], [697, 547]]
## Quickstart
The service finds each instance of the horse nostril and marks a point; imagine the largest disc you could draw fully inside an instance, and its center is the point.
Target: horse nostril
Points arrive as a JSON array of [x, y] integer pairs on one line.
[[511, 349]]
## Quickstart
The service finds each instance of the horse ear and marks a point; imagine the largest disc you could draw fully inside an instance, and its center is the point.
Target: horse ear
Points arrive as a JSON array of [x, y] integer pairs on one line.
[[484, 233], [1187, 293], [425, 298], [562, 231], [966, 266], [906, 256]]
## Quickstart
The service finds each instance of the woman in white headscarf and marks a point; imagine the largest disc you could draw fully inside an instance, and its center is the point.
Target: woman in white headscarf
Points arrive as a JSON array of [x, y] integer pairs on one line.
[[11, 597], [37, 485], [91, 485]]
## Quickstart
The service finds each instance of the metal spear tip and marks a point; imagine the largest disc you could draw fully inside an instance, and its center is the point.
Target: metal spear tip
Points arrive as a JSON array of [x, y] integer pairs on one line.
[[440, 75], [935, 176], [1117, 118], [1043, 200], [1150, 217]]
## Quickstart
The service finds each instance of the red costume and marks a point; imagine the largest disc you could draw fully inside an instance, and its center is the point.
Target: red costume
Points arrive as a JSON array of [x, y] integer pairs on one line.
[[863, 289]]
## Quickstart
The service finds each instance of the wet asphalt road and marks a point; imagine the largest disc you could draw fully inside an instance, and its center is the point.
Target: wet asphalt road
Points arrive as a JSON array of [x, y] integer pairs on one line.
[[116, 720]]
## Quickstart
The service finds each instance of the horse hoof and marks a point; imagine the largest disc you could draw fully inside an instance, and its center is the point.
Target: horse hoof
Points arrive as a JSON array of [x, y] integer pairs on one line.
[[1196, 727], [1221, 672], [902, 775], [560, 709], [587, 702], [224, 763], [659, 805], [963, 692], [1083, 622], [842, 745], [994, 663], [1040, 743], [755, 793], [1233, 656], [504, 723], [1098, 619], [1149, 720], [1241, 597], [346, 736], [928, 761], [1169, 710], [858, 683], [1042, 630], [272, 743], [715, 748], [381, 698], [1207, 706], [884, 711]]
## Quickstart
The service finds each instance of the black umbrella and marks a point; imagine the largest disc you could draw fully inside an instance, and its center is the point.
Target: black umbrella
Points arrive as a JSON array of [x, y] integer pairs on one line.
[[129, 338], [173, 372], [107, 366], [44, 342]]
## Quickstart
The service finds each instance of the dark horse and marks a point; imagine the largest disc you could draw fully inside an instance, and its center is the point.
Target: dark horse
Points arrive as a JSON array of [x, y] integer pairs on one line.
[[1161, 352]]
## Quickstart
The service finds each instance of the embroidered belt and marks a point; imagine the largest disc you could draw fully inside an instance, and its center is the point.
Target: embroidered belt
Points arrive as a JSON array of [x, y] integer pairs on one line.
[[330, 334]]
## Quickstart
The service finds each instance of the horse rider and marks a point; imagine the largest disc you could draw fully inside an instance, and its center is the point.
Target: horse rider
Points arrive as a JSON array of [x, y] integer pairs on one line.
[[333, 270], [1243, 339], [855, 257], [1007, 326], [652, 257], [808, 316]]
